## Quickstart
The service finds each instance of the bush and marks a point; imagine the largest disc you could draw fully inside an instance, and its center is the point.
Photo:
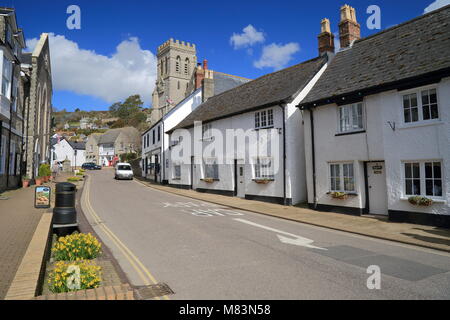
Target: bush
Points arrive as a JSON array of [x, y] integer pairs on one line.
[[63, 279], [80, 173], [44, 170], [77, 246]]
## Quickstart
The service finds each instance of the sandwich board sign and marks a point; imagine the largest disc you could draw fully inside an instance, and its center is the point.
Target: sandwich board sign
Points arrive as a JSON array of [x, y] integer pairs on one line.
[[42, 197]]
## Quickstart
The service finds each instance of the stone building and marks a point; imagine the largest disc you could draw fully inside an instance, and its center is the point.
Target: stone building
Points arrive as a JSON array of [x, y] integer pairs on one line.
[[39, 107], [11, 102], [176, 64]]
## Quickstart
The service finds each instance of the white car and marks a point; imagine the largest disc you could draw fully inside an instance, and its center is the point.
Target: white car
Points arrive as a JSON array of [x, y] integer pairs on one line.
[[123, 171]]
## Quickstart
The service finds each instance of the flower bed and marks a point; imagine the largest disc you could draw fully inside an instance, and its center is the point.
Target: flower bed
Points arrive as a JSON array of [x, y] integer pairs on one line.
[[74, 179], [77, 246], [73, 267], [72, 276]]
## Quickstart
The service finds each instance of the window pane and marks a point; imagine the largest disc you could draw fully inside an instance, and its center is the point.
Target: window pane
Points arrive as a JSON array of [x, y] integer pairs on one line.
[[406, 103], [437, 170], [438, 188], [407, 114], [416, 170], [408, 187], [429, 187], [433, 96], [425, 97], [416, 186], [434, 111], [428, 170], [415, 114], [426, 112], [408, 170]]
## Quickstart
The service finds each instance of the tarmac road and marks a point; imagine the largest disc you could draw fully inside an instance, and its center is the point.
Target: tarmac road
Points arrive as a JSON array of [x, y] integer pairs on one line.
[[206, 251]]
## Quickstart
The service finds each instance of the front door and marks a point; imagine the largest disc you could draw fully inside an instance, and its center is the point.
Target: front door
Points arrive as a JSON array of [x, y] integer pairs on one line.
[[156, 167], [240, 179], [376, 180]]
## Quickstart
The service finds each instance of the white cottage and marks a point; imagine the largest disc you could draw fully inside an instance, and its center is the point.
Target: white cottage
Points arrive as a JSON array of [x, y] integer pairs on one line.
[[248, 141], [62, 149], [155, 140], [377, 125]]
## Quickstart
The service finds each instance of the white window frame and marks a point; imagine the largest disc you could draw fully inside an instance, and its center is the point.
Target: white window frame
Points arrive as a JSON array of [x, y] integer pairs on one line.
[[342, 177], [264, 119], [211, 161], [263, 168], [351, 118], [418, 92], [423, 178]]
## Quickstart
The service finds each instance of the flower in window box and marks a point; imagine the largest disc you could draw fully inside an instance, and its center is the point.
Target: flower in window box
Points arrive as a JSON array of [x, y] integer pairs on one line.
[[420, 201], [208, 180], [339, 195], [263, 181]]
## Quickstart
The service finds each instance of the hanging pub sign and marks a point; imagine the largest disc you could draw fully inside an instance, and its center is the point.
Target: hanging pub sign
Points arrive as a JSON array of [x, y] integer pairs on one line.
[[42, 197]]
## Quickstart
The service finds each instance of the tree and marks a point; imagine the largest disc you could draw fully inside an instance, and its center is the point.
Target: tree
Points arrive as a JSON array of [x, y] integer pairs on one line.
[[77, 110]]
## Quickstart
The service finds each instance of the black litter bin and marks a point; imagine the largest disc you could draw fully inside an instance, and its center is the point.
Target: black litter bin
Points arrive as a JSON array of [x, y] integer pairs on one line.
[[64, 211]]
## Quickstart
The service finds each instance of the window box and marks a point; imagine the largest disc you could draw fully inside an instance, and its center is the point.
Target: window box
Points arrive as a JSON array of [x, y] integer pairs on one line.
[[263, 181], [339, 195], [209, 180], [420, 201]]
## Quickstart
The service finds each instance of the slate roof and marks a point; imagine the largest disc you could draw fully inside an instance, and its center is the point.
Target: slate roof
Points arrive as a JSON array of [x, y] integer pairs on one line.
[[77, 145], [111, 135], [224, 82], [412, 49], [270, 89]]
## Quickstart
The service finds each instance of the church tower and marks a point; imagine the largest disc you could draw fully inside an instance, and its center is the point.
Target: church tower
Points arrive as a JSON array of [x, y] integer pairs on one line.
[[176, 64]]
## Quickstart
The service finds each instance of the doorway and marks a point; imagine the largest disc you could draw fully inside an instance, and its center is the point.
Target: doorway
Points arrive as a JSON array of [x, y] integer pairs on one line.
[[240, 180], [377, 189]]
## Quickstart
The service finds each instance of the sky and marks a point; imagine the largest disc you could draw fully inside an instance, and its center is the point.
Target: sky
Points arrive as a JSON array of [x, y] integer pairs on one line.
[[113, 54]]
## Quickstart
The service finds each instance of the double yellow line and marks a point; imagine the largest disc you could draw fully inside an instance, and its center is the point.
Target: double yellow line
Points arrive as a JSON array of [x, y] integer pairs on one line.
[[145, 275]]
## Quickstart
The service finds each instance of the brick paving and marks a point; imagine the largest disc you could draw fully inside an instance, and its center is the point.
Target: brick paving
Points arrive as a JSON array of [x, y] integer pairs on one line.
[[18, 222], [372, 226]]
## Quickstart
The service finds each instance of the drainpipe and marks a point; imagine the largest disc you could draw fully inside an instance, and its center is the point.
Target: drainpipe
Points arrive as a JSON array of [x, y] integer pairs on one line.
[[313, 151], [282, 106]]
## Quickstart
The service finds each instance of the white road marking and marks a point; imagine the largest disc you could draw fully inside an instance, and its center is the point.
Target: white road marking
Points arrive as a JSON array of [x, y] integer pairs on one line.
[[298, 240]]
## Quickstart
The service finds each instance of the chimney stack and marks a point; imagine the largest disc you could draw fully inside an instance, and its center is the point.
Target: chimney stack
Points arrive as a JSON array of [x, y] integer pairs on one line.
[[205, 64], [326, 38], [349, 29]]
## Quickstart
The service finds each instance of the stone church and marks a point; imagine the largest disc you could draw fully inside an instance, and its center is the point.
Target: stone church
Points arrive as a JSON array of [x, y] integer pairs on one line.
[[179, 75]]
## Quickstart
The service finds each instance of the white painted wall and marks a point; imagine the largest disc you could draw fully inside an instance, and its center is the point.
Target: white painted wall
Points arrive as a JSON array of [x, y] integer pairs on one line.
[[380, 142], [63, 151], [170, 120]]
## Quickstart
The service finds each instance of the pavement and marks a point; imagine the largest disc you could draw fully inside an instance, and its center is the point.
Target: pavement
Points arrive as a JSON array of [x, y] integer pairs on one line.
[[368, 225], [205, 250], [18, 222]]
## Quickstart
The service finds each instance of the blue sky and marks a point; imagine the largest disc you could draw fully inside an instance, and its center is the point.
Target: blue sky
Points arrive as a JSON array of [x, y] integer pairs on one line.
[[113, 55]]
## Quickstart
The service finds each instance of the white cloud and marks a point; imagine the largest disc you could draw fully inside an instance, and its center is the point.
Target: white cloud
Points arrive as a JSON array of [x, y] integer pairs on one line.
[[249, 37], [276, 55], [130, 70], [436, 5]]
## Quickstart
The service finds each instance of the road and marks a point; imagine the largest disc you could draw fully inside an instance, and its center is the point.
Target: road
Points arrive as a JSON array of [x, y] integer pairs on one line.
[[206, 251]]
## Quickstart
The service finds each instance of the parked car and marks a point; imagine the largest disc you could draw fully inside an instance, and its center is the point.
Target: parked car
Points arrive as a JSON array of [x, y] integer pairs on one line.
[[123, 171], [90, 166]]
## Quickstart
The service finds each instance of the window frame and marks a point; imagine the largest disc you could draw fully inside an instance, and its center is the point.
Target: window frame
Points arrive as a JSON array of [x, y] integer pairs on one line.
[[352, 130], [259, 167], [418, 92], [341, 176], [211, 161], [176, 176], [264, 119], [422, 178], [207, 130]]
